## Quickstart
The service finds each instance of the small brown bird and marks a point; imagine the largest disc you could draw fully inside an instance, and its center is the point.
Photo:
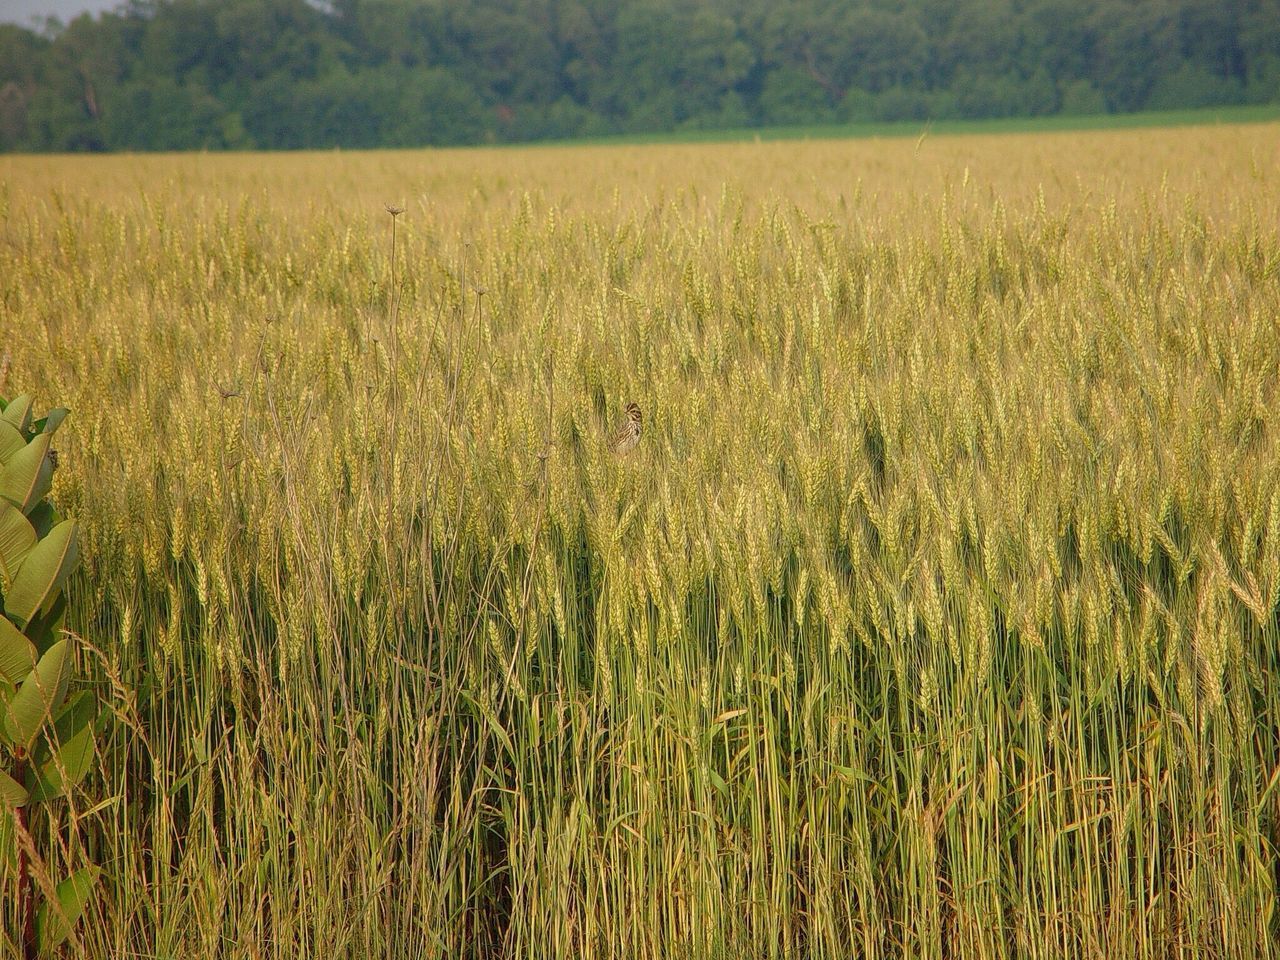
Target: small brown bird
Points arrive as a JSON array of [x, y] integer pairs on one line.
[[625, 440]]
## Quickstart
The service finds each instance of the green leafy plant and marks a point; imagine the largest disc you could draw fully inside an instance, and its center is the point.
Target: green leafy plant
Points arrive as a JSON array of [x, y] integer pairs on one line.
[[46, 736]]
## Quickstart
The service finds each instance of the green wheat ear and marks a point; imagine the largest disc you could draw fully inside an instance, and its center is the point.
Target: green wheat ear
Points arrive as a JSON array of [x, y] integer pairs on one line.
[[46, 736]]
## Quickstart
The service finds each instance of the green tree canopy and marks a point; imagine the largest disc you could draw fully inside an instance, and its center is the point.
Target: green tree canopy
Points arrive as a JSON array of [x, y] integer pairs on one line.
[[280, 74]]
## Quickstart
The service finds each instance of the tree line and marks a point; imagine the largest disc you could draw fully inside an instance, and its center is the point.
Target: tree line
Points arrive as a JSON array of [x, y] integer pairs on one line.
[[278, 74]]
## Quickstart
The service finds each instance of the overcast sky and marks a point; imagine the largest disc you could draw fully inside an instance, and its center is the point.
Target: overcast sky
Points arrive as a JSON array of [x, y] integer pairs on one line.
[[21, 11]]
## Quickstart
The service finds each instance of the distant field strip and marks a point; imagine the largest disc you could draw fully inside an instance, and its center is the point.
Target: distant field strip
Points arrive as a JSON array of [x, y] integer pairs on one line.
[[1201, 116], [934, 615]]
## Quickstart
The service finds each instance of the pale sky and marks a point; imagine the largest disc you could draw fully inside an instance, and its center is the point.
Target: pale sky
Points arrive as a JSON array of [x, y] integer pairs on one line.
[[22, 11]]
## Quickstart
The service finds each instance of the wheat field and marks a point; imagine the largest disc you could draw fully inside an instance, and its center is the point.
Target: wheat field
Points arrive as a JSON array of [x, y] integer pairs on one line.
[[934, 615]]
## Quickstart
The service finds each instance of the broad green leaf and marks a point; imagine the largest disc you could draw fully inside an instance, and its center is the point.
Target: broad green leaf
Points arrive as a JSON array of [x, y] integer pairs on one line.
[[47, 627], [18, 412], [42, 573], [17, 655], [28, 475], [69, 762], [43, 518], [78, 712], [40, 695], [11, 440], [55, 920], [17, 537], [12, 793], [51, 421]]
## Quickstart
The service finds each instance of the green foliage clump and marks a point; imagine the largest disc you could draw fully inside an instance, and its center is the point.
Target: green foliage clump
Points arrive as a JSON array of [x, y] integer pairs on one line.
[[284, 74], [46, 737]]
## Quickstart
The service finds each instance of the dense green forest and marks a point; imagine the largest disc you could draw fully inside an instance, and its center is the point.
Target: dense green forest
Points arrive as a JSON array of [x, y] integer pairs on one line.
[[185, 74]]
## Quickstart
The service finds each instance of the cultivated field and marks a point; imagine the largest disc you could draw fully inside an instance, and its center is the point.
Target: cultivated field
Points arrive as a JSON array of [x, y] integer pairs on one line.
[[934, 615]]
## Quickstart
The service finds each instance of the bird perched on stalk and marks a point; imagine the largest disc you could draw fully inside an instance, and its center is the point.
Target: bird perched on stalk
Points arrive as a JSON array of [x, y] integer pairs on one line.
[[625, 440]]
